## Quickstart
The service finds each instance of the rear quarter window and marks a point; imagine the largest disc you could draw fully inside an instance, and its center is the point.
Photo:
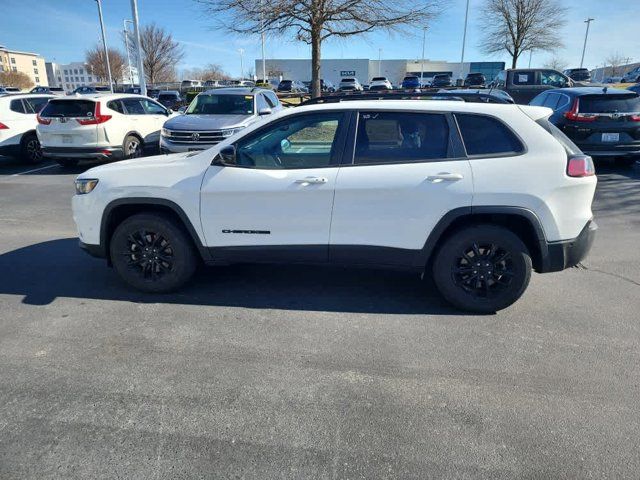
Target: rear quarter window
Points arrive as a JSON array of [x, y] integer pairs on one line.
[[484, 135], [17, 106]]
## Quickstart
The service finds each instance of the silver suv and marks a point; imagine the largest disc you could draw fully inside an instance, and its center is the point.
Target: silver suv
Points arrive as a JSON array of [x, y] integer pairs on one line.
[[215, 115]]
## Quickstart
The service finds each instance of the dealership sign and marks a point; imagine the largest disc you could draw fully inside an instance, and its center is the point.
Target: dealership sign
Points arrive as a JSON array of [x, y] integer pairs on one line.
[[347, 73]]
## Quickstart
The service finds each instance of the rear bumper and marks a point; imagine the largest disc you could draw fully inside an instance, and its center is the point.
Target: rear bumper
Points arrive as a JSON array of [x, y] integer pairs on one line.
[[568, 253], [99, 153]]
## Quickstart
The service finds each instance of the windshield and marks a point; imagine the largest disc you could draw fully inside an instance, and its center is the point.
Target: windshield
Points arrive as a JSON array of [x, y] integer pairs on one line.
[[221, 105], [410, 79], [378, 79], [610, 103], [349, 80]]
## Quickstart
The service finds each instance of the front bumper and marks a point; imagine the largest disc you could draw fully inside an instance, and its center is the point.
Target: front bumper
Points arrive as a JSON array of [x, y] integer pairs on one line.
[[98, 153], [167, 146], [568, 253]]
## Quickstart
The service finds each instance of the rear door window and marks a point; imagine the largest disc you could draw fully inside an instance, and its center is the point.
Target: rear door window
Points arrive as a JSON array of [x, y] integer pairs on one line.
[[610, 103], [132, 106], [116, 105], [484, 135], [69, 108], [398, 137]]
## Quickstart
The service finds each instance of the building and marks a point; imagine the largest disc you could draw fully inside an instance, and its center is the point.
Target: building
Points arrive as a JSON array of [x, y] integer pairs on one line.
[[363, 69], [77, 74], [31, 64]]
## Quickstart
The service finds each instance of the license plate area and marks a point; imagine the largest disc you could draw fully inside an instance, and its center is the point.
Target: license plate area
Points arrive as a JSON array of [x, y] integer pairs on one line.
[[195, 149], [67, 138], [610, 137]]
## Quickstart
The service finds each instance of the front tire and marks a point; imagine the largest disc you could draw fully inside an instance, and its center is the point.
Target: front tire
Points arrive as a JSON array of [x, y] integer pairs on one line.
[[152, 253], [482, 268], [30, 149]]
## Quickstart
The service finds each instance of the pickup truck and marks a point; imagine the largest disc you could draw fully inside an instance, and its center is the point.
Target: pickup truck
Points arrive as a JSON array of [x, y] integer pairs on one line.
[[523, 84]]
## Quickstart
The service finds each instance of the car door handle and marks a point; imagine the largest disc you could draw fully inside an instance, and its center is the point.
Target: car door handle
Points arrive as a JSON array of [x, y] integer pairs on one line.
[[445, 177], [310, 180]]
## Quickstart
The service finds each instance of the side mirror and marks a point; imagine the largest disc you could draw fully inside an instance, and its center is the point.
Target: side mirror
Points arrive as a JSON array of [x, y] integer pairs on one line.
[[168, 112], [264, 111], [226, 156]]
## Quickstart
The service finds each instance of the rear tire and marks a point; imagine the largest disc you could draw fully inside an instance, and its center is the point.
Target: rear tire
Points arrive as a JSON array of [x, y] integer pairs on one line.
[[67, 162], [30, 149], [132, 147], [152, 253], [482, 268]]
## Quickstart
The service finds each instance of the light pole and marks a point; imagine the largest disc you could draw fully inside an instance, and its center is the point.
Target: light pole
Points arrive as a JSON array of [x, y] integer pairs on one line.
[[126, 43], [379, 61], [241, 52], [586, 34], [424, 37], [136, 31], [264, 63], [104, 44], [530, 55], [464, 38]]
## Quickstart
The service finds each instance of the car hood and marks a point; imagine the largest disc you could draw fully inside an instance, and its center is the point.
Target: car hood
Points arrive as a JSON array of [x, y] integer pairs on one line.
[[207, 122]]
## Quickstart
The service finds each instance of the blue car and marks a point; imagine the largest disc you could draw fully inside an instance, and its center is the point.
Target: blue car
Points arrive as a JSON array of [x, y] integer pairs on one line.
[[410, 82]]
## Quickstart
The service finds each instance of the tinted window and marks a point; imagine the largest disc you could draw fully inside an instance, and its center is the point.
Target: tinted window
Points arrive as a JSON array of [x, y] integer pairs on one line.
[[610, 103], [261, 102], [17, 106], [272, 99], [539, 100], [116, 105], [378, 79], [69, 108], [303, 141], [484, 135], [552, 101], [35, 104], [132, 106], [390, 137]]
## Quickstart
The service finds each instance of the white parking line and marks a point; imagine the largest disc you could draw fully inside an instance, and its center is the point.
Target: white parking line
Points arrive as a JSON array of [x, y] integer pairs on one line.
[[34, 170]]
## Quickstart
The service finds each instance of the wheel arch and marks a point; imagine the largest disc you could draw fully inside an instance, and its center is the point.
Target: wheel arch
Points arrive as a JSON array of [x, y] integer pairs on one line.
[[521, 221], [119, 210]]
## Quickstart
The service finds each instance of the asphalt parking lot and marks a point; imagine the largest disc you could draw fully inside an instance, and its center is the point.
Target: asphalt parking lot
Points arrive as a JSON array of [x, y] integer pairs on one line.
[[294, 372]]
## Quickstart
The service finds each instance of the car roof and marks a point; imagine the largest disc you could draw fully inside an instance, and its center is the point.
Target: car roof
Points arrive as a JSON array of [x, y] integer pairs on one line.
[[99, 96], [236, 91], [14, 96], [578, 91]]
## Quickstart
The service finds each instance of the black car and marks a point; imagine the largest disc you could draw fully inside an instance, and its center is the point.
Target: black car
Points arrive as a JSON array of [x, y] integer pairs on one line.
[[170, 99], [50, 90], [578, 74], [87, 90], [603, 122], [475, 80], [441, 80]]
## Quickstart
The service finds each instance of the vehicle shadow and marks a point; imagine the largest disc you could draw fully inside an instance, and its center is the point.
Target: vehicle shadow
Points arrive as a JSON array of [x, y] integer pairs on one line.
[[58, 268]]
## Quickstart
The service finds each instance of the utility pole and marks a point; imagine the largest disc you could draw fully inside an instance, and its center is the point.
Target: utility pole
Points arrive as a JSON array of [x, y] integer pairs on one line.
[[584, 47], [464, 38], [136, 32], [126, 43], [241, 51], [104, 44], [264, 63], [424, 37]]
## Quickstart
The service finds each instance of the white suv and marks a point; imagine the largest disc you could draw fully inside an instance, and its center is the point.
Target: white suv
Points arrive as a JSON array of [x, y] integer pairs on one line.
[[476, 194], [18, 126], [100, 126]]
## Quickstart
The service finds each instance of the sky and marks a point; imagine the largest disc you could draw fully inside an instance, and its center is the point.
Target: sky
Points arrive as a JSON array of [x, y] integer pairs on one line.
[[62, 30]]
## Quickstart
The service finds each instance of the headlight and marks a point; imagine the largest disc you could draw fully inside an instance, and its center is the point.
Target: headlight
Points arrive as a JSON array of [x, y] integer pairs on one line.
[[231, 131], [85, 185], [164, 132]]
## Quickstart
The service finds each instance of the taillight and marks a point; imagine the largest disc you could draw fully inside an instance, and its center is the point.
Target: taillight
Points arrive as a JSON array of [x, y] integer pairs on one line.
[[43, 121], [96, 119], [579, 117], [580, 166], [634, 118], [3, 126]]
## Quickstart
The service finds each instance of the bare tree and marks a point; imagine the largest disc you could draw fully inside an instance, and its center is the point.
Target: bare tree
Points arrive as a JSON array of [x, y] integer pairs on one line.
[[556, 63], [615, 61], [16, 79], [517, 26], [314, 21], [98, 66], [211, 72], [160, 53]]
